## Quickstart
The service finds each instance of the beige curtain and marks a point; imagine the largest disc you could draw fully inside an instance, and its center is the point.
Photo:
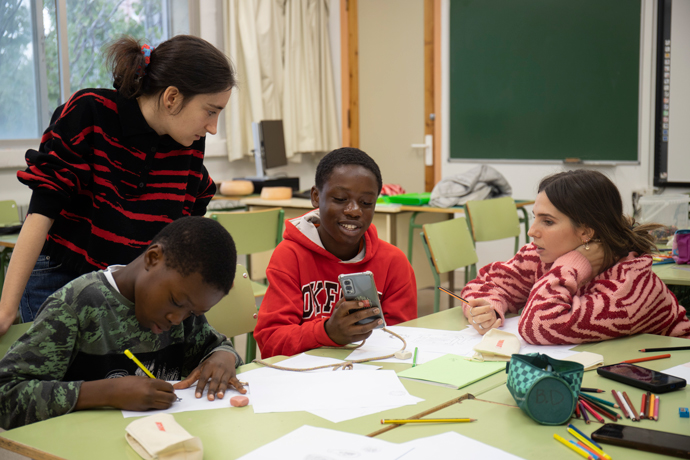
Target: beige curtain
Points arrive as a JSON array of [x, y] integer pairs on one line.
[[282, 54]]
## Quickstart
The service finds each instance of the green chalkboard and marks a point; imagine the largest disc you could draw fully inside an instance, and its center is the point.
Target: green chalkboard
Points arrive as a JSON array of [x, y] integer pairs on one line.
[[544, 79]]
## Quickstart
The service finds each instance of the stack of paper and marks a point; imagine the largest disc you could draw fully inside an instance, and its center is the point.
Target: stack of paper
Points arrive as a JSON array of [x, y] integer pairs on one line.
[[453, 371]]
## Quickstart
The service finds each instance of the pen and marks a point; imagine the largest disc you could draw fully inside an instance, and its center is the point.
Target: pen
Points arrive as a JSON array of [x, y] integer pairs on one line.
[[131, 356], [649, 358], [427, 420], [414, 360], [452, 294]]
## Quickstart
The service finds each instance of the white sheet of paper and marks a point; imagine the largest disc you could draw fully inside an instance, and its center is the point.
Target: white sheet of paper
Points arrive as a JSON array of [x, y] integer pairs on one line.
[[341, 415], [308, 442], [329, 390], [433, 343], [682, 371], [190, 402], [449, 444]]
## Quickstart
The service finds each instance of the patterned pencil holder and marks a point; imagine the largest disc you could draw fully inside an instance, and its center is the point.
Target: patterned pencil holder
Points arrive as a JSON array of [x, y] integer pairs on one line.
[[545, 388]]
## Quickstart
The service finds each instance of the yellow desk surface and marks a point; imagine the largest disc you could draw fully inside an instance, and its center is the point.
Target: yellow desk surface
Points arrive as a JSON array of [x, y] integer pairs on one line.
[[8, 241], [673, 274], [232, 432]]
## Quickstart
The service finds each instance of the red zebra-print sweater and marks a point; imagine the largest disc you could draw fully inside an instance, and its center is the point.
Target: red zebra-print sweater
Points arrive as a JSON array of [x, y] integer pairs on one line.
[[626, 299]]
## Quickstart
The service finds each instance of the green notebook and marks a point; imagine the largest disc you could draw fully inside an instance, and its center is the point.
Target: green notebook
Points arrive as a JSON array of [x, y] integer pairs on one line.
[[453, 371]]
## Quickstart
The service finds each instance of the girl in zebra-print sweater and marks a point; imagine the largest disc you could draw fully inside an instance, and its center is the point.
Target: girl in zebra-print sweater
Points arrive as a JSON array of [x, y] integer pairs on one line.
[[586, 277]]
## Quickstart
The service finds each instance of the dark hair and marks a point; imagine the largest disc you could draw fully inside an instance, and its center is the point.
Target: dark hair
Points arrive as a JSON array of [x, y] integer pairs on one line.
[[191, 64], [342, 157], [590, 199], [194, 244]]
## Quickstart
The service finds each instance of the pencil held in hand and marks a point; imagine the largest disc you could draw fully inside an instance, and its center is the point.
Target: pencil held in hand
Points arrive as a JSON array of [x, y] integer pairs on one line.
[[138, 363], [452, 294]]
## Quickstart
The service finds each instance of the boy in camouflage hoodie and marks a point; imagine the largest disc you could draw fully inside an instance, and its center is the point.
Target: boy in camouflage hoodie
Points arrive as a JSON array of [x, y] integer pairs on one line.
[[72, 357]]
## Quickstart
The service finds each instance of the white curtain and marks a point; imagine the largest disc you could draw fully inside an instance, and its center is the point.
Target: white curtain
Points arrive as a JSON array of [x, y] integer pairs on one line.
[[282, 54]]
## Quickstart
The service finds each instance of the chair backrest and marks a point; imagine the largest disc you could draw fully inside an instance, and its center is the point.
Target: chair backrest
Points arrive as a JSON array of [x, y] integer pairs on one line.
[[450, 245], [253, 231], [493, 219], [9, 213], [235, 314]]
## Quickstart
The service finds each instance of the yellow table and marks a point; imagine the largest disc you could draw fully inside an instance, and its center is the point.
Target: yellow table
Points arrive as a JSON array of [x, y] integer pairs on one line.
[[673, 274], [232, 432]]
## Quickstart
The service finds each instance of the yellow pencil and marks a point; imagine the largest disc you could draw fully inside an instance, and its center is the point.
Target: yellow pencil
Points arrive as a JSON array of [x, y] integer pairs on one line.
[[427, 420], [572, 447], [138, 363], [598, 451], [131, 356]]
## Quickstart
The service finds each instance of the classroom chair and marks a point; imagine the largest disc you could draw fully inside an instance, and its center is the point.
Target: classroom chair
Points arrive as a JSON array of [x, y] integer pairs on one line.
[[235, 314], [253, 232], [493, 219], [448, 246]]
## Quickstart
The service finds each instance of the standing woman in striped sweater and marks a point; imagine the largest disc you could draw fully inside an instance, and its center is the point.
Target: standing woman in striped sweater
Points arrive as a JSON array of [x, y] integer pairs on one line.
[[115, 166], [586, 277]]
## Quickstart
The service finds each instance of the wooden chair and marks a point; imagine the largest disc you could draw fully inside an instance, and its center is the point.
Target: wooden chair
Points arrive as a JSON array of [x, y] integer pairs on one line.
[[493, 219], [235, 314], [448, 246], [253, 232]]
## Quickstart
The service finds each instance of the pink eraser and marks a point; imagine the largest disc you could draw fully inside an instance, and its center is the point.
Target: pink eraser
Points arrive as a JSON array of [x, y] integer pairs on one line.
[[239, 401]]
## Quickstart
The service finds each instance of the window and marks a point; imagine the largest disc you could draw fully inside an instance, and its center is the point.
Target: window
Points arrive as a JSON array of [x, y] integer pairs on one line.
[[33, 50]]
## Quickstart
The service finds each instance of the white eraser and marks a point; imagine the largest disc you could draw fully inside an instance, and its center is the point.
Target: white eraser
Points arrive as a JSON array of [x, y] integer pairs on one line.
[[403, 354]]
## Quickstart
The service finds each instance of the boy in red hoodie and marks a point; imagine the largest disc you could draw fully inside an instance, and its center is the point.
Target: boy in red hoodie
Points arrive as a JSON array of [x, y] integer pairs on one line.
[[303, 308]]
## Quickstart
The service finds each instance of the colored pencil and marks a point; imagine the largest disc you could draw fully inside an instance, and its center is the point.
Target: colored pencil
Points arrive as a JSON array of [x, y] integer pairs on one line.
[[572, 447], [583, 411], [620, 403], [585, 447], [656, 409], [589, 443], [643, 404], [652, 401], [577, 409], [625, 405], [602, 401], [647, 350], [593, 411], [602, 410], [591, 390], [636, 418], [427, 420], [414, 360], [452, 294], [649, 358], [586, 438]]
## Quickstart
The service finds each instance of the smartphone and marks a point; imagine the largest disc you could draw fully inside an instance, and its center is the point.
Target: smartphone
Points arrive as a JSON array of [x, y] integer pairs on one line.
[[659, 442], [360, 286], [641, 377]]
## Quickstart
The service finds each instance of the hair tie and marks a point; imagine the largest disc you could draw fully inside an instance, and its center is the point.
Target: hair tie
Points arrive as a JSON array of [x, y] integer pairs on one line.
[[146, 50]]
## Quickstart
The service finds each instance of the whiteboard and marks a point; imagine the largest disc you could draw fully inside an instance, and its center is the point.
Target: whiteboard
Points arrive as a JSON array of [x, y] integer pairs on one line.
[[679, 88]]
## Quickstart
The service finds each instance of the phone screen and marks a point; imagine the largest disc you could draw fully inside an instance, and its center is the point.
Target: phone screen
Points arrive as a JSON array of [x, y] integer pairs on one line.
[[647, 378], [644, 439]]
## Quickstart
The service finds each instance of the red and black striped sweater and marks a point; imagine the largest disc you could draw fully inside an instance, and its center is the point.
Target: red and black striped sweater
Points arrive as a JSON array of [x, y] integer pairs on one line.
[[110, 181], [626, 299]]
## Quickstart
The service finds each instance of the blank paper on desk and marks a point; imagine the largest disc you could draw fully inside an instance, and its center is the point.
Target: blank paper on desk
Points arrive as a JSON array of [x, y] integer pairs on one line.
[[329, 390]]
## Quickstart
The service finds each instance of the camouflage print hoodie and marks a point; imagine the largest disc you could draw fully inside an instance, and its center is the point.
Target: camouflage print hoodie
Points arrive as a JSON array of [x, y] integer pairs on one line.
[[80, 334]]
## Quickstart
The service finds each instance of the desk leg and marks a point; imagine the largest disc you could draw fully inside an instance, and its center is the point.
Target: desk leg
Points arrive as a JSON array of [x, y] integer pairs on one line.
[[410, 235]]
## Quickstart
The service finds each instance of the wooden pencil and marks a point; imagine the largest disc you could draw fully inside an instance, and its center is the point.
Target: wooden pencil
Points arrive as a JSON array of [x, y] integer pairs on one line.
[[603, 410], [656, 408], [592, 411], [643, 404], [620, 403], [652, 400], [636, 418], [583, 411]]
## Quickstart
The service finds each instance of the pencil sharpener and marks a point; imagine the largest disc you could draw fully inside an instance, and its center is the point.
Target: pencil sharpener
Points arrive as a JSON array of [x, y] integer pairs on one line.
[[683, 412]]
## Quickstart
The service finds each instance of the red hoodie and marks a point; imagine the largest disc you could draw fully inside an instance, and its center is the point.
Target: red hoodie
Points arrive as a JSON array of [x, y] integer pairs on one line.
[[304, 288]]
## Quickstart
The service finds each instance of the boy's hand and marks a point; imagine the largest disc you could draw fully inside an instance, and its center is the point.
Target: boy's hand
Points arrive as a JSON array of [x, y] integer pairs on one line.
[[341, 327], [130, 393], [218, 371]]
